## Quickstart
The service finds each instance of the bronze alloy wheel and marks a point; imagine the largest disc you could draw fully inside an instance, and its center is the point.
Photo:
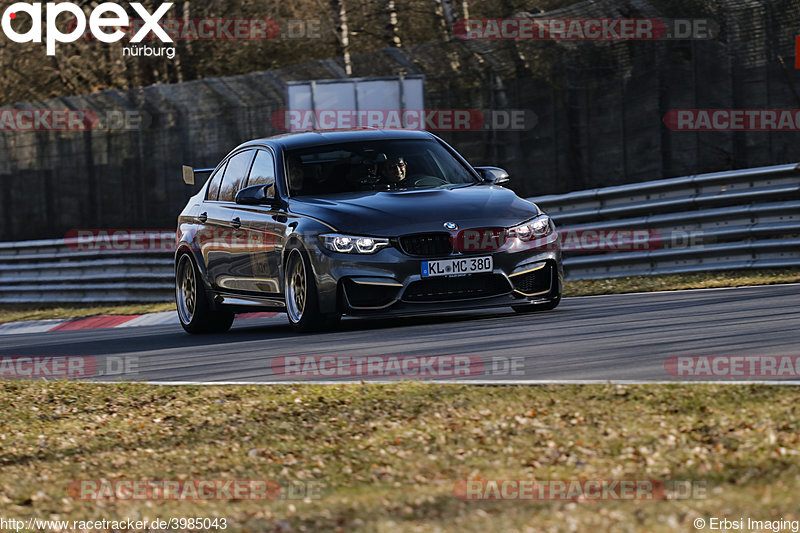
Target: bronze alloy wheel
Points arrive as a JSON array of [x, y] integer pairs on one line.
[[296, 287], [194, 309], [186, 289]]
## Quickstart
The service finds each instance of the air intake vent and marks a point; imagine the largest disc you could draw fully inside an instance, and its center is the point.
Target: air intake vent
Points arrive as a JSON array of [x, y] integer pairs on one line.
[[442, 289], [426, 244]]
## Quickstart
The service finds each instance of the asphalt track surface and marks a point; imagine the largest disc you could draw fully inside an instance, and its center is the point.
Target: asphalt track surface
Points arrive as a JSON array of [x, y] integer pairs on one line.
[[618, 338]]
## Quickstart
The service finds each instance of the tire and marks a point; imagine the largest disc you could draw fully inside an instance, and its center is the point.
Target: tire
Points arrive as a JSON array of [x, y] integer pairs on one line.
[[194, 310], [302, 298]]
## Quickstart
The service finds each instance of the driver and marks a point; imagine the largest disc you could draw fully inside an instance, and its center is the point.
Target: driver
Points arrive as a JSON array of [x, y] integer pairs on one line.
[[296, 174], [392, 172]]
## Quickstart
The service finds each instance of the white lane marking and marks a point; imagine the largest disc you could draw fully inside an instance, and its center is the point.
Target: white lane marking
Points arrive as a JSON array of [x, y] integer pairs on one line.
[[152, 319], [163, 318], [30, 326]]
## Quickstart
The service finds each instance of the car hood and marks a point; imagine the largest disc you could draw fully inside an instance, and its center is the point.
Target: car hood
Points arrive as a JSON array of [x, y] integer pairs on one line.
[[393, 213]]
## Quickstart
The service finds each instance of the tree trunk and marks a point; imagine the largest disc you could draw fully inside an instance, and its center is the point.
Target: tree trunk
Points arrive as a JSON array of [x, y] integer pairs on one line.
[[444, 12], [178, 64], [392, 31], [342, 33]]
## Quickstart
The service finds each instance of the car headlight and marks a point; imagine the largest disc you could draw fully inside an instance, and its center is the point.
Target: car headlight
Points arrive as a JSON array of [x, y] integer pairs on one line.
[[353, 244], [533, 229]]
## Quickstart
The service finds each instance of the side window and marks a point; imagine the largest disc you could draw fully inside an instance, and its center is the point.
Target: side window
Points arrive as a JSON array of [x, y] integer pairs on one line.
[[235, 174], [263, 171], [213, 187]]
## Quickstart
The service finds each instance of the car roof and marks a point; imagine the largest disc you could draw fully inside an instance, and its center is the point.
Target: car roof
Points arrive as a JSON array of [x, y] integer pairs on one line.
[[293, 141]]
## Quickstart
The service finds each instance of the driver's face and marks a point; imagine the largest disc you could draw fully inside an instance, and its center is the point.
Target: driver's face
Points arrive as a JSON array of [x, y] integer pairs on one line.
[[394, 170]]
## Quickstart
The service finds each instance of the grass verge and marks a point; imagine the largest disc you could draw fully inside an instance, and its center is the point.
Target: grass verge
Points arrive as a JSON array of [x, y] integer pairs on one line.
[[733, 278], [387, 457]]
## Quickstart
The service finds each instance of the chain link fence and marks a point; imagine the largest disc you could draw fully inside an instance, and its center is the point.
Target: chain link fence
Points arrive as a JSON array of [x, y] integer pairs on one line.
[[599, 108]]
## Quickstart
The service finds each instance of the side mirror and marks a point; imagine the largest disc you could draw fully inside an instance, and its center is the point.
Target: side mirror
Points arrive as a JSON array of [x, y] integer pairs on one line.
[[255, 195], [493, 175]]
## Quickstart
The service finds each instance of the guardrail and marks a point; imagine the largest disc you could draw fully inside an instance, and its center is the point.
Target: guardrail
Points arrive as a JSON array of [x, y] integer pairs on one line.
[[725, 220], [83, 271]]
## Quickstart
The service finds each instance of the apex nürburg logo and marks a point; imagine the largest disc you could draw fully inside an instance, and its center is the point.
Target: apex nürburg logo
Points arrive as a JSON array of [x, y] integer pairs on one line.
[[104, 16]]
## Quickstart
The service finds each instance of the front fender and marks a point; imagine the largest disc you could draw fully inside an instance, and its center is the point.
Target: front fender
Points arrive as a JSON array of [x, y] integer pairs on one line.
[[305, 235]]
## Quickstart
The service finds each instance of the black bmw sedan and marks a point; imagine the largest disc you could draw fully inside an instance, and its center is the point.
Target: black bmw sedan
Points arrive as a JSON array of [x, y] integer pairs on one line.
[[361, 223]]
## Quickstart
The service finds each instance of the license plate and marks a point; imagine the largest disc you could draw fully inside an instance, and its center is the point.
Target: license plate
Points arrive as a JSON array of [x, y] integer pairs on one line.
[[454, 267]]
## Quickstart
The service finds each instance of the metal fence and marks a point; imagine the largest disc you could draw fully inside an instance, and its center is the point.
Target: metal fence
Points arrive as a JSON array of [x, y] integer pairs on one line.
[[725, 220]]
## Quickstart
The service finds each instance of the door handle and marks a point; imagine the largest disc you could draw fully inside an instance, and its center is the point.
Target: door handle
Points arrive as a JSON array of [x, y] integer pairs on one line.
[[236, 223], [203, 217]]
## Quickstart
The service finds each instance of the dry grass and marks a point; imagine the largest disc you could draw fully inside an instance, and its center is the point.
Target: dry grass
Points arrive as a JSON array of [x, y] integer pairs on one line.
[[387, 457], [16, 313], [674, 282]]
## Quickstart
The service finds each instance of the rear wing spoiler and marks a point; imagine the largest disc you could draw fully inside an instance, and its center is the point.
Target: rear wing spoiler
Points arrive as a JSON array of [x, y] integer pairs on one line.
[[189, 174]]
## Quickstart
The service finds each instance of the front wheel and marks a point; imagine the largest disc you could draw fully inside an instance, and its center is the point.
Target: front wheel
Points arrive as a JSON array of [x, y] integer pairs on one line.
[[194, 311], [302, 301]]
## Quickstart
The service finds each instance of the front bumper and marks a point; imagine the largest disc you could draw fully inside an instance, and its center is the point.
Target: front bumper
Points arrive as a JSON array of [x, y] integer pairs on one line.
[[390, 282]]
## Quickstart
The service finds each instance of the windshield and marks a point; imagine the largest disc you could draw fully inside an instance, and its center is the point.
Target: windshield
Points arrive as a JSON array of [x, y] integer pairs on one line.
[[373, 166]]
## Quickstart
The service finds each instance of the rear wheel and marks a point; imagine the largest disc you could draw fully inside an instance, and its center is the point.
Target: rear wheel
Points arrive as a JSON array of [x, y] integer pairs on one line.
[[302, 299], [194, 310]]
